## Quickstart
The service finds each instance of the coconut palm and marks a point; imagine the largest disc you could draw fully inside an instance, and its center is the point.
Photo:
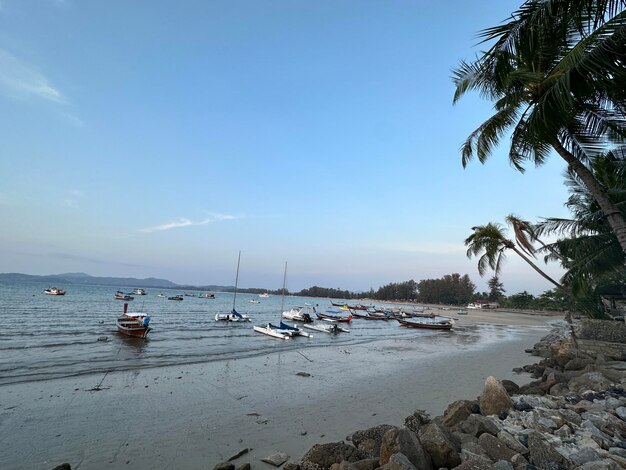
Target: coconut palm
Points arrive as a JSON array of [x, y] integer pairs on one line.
[[489, 241], [556, 72], [588, 249]]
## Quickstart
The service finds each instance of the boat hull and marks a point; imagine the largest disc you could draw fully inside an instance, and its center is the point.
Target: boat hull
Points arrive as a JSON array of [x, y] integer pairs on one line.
[[140, 332], [426, 325], [271, 332]]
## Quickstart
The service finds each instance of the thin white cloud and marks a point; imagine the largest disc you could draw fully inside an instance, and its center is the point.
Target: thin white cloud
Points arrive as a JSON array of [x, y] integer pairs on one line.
[[73, 197], [21, 81], [184, 222]]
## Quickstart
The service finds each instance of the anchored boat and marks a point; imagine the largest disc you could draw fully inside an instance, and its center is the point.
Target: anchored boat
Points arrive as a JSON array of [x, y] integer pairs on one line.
[[133, 324]]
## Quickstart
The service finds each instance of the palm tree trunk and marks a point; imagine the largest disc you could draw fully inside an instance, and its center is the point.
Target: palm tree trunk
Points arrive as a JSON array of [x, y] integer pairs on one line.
[[610, 211], [535, 267]]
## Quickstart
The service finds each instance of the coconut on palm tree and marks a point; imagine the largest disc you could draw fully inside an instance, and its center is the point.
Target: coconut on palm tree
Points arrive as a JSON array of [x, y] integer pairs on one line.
[[556, 73]]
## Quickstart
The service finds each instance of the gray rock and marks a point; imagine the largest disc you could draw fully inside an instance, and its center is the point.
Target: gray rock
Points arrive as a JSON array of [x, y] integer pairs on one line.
[[478, 464], [477, 425], [511, 387], [496, 449], [519, 461], [441, 445], [405, 442], [247, 466], [512, 442], [103, 339], [276, 459], [291, 466], [503, 465], [564, 432], [617, 451], [494, 399], [222, 466], [559, 390], [480, 455], [415, 421], [322, 456], [238, 454], [621, 412], [456, 412], [366, 464], [577, 364], [369, 440], [398, 462], [605, 464], [342, 466], [584, 455], [589, 381], [543, 454], [63, 466], [570, 416]]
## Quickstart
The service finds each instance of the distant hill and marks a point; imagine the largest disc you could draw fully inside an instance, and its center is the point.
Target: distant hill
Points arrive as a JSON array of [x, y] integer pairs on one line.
[[82, 279]]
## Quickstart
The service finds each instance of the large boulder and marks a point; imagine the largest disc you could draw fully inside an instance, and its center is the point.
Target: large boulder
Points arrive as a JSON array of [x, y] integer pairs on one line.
[[398, 462], [457, 412], [322, 456], [405, 442], [440, 445], [510, 387], [494, 399], [416, 420], [476, 425], [543, 453], [589, 381], [496, 449], [369, 440]]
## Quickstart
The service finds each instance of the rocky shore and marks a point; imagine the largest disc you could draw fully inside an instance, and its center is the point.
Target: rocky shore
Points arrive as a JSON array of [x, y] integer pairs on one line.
[[573, 415]]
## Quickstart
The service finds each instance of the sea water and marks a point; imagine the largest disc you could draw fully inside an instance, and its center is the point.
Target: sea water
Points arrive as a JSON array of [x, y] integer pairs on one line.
[[47, 337]]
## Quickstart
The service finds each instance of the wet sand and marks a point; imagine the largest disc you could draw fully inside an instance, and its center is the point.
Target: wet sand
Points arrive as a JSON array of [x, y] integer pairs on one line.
[[194, 416]]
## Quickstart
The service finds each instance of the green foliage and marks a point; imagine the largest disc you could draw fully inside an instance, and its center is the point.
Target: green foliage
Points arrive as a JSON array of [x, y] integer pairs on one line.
[[452, 289], [330, 293], [397, 291], [496, 289]]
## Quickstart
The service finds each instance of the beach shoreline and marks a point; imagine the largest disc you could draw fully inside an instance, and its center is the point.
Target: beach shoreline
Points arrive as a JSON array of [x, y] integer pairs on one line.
[[194, 416]]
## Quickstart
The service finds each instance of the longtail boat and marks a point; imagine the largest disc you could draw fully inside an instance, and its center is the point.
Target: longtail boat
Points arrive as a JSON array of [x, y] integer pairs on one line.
[[427, 323]]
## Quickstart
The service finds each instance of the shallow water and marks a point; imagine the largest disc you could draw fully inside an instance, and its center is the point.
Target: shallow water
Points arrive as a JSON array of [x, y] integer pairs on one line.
[[44, 337]]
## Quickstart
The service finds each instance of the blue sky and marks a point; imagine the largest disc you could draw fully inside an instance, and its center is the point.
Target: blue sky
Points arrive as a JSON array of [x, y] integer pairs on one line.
[[160, 138]]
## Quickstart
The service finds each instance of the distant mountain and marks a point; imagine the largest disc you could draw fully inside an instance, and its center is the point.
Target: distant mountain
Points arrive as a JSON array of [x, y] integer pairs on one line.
[[82, 278]]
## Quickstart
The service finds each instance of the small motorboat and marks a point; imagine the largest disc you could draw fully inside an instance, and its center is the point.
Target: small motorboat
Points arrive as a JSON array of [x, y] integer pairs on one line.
[[300, 314], [265, 295], [175, 297], [269, 330], [54, 291], [331, 328], [161, 295], [232, 316], [133, 324], [371, 316], [208, 296], [436, 323], [139, 291], [119, 295], [254, 301], [334, 316], [189, 295], [292, 330]]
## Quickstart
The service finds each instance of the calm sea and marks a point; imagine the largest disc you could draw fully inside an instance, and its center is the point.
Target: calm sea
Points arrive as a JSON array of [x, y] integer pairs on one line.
[[44, 337]]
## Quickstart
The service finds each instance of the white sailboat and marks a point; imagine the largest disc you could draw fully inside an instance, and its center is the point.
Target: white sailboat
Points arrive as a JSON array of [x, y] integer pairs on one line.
[[234, 315], [283, 330]]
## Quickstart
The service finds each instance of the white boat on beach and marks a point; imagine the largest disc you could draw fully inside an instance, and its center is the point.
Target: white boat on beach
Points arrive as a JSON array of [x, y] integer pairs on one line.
[[332, 328], [303, 314], [269, 331]]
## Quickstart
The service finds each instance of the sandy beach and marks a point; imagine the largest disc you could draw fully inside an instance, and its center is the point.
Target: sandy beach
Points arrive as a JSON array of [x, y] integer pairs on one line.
[[194, 416]]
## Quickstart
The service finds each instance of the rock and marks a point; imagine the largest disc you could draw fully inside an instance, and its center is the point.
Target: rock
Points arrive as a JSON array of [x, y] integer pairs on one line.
[[494, 398], [511, 387], [247, 466], [398, 462], [291, 466], [366, 464], [496, 449], [415, 421], [103, 339], [577, 364], [512, 442], [63, 466], [477, 464], [503, 465], [543, 454], [477, 425], [276, 459], [531, 389], [559, 390], [456, 412], [440, 444], [604, 464], [369, 440], [584, 455], [405, 442], [621, 412], [342, 466], [589, 380], [519, 461], [322, 456], [223, 466], [564, 432], [474, 451], [239, 454], [303, 374], [617, 451]]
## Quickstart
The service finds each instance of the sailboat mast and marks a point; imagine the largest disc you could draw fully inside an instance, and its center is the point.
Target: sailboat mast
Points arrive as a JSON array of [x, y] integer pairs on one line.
[[236, 280], [282, 302]]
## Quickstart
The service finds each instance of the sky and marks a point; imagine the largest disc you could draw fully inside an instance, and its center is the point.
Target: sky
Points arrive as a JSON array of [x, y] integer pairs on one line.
[[161, 138]]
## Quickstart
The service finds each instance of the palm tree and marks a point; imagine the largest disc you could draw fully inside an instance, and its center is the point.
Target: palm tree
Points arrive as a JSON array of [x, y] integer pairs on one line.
[[556, 72], [588, 249], [490, 242]]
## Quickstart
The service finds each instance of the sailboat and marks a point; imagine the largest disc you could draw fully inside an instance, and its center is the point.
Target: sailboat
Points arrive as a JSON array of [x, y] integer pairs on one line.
[[283, 330], [234, 315]]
